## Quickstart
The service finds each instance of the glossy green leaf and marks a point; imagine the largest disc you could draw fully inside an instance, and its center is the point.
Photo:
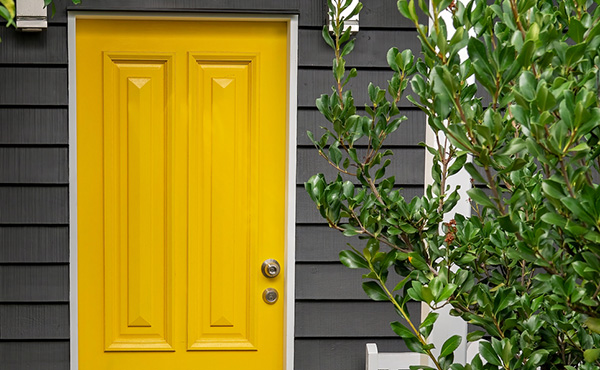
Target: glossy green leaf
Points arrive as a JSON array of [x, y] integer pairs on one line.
[[591, 355], [470, 167], [450, 345], [475, 335], [446, 292], [403, 8], [575, 207], [480, 197], [527, 85], [402, 331], [353, 260], [554, 219], [374, 291], [347, 48], [391, 59], [10, 7], [4, 13], [593, 324], [335, 154], [327, 37], [488, 353], [429, 320], [348, 189]]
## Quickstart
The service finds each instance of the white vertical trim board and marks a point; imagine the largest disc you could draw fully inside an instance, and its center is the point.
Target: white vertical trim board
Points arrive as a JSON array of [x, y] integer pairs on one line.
[[291, 146], [290, 222], [447, 325], [73, 305]]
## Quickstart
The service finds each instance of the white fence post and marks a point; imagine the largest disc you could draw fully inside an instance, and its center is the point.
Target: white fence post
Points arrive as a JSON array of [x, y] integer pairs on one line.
[[446, 325]]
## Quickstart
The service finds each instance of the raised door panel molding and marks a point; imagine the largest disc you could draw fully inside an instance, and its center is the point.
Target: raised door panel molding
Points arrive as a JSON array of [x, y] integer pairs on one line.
[[220, 189], [137, 248]]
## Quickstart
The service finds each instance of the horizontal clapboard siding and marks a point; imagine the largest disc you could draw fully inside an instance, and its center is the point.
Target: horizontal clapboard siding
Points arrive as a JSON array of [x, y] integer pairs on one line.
[[31, 126], [332, 281], [324, 319], [33, 86], [384, 14], [34, 165], [34, 213], [314, 82], [34, 205], [47, 47], [406, 166], [34, 321], [313, 14], [34, 283], [410, 133], [371, 48], [34, 355], [327, 249], [376, 14], [307, 213], [34, 244], [244, 6], [346, 354], [334, 317]]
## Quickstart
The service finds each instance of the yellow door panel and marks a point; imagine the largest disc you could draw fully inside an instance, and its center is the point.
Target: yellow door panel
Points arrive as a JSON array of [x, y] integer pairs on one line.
[[181, 131], [136, 274], [220, 306]]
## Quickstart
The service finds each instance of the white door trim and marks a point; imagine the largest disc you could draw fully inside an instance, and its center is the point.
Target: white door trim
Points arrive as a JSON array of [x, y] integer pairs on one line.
[[290, 221]]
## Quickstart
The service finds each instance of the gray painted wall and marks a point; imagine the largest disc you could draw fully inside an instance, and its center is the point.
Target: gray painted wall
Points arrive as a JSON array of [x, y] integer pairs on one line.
[[334, 318]]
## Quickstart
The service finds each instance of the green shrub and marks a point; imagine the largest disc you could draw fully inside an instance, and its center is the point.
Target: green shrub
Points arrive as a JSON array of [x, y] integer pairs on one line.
[[520, 114]]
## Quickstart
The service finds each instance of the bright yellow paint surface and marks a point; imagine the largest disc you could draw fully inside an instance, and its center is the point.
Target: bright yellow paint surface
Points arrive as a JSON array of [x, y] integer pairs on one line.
[[181, 129]]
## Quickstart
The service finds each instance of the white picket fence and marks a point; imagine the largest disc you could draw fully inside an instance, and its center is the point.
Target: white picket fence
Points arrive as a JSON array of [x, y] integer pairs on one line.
[[390, 361], [402, 360]]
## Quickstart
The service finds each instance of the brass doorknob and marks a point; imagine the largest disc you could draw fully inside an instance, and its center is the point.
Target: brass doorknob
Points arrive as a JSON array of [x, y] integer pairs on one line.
[[270, 268]]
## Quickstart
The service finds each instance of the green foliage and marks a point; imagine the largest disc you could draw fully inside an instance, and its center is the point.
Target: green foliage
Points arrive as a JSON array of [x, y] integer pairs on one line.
[[7, 11], [521, 115]]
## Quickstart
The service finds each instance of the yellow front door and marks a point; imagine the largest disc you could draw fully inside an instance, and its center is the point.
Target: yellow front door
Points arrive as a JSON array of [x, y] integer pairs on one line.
[[181, 156]]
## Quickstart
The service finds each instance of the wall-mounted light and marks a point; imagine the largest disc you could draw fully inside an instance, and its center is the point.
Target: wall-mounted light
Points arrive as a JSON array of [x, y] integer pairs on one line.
[[31, 15], [352, 22]]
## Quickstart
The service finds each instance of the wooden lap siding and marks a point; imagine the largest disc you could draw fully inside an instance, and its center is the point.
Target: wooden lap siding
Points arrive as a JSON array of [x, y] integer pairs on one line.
[[34, 200], [334, 318]]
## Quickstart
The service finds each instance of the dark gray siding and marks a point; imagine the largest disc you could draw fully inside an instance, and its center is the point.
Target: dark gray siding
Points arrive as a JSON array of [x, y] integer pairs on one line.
[[34, 200], [334, 318]]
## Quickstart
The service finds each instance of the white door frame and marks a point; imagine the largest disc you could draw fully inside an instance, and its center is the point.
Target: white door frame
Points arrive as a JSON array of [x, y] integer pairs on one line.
[[290, 201]]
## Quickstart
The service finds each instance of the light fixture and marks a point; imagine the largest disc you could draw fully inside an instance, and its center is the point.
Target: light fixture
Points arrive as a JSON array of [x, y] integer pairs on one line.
[[31, 15]]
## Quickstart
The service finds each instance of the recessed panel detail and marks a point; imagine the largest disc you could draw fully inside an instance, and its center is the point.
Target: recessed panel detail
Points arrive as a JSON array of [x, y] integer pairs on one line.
[[136, 228], [220, 191]]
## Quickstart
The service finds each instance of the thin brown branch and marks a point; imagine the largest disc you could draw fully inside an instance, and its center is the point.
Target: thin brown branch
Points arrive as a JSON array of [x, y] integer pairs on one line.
[[381, 239], [407, 318], [335, 165], [492, 184], [463, 117], [515, 11], [563, 171], [595, 295], [445, 161], [375, 191], [338, 58]]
